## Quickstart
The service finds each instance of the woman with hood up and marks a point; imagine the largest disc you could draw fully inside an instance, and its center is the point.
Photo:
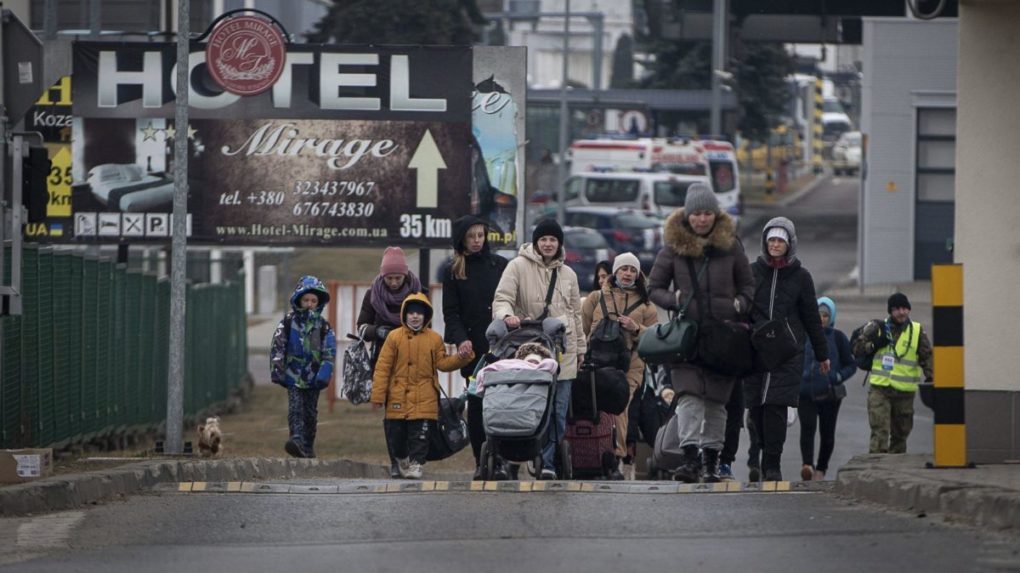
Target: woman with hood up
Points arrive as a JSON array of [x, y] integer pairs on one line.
[[380, 311], [701, 248], [468, 289], [783, 289], [821, 394]]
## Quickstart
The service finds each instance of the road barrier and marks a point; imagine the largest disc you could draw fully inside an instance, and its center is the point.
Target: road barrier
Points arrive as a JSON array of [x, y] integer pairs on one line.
[[88, 358], [947, 348]]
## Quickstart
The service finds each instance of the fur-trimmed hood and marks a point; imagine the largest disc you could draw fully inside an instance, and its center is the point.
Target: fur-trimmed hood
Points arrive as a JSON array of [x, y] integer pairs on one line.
[[680, 237]]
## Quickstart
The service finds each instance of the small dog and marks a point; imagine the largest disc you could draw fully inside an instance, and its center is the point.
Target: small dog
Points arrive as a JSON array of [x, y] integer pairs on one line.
[[210, 438]]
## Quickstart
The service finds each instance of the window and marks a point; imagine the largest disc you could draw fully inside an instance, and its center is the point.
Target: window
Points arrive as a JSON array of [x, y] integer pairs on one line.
[[584, 240], [671, 193], [612, 190], [635, 221], [936, 154]]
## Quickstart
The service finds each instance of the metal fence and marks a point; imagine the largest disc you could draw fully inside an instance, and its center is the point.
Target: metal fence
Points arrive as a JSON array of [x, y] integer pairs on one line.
[[88, 358]]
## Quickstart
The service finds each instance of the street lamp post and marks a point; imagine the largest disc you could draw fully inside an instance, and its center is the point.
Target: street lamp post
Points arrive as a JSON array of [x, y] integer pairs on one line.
[[561, 172]]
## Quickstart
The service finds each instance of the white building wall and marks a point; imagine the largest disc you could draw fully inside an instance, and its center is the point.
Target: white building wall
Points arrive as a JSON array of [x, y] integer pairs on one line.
[[545, 41], [987, 203], [900, 57]]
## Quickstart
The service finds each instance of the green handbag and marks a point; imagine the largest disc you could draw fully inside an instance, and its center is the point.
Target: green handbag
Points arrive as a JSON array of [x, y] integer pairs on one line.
[[675, 340]]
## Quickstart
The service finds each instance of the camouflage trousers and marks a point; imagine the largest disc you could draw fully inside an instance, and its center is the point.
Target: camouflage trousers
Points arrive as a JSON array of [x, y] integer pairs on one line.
[[891, 416]]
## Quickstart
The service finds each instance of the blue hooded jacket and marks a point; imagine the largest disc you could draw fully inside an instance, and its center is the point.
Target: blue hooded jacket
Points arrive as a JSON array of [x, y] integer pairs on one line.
[[304, 357], [813, 382]]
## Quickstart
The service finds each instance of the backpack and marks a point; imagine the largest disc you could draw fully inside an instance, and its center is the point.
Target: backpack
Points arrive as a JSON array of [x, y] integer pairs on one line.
[[864, 349], [607, 345]]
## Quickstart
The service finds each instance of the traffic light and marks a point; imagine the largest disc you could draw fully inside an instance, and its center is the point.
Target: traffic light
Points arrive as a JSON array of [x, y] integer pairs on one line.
[[34, 192]]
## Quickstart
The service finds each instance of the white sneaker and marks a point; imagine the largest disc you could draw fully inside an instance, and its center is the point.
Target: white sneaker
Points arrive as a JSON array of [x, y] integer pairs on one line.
[[547, 474], [628, 471], [414, 472], [404, 465]]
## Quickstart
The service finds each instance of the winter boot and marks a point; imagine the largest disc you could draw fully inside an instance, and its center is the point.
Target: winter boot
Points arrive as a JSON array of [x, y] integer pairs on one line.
[[709, 466], [294, 447], [394, 469], [690, 465]]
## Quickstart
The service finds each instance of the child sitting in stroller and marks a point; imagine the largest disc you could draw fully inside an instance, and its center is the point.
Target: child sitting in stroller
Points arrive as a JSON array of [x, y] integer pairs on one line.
[[529, 356]]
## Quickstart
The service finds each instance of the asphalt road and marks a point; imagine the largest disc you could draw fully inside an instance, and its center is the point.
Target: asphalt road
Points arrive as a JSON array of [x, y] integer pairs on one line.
[[790, 532]]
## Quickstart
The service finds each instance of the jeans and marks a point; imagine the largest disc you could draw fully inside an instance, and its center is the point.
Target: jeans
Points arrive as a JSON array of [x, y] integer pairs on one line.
[[823, 415], [558, 425]]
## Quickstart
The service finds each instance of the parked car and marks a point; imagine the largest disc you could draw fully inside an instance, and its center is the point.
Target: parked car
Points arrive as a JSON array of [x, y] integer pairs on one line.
[[624, 230], [846, 154], [584, 248]]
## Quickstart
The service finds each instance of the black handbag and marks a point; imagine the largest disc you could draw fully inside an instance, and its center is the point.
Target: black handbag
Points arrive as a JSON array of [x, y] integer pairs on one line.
[[724, 346], [774, 343], [607, 344], [449, 434], [675, 340]]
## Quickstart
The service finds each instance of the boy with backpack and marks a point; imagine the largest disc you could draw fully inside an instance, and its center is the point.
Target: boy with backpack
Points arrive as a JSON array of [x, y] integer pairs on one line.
[[406, 382], [301, 360]]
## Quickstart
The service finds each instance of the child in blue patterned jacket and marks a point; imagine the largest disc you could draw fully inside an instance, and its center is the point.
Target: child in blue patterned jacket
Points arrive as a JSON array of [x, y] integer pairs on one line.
[[301, 360]]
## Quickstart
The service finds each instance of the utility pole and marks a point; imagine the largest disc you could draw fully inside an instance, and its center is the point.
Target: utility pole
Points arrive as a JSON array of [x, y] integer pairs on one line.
[[178, 247], [719, 29], [561, 172]]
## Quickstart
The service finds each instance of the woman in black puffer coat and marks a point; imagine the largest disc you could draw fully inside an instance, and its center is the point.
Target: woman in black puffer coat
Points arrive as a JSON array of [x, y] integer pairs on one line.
[[783, 289], [469, 286]]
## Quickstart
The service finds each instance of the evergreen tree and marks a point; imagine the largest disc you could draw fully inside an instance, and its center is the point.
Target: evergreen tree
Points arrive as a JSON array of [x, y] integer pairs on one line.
[[399, 22]]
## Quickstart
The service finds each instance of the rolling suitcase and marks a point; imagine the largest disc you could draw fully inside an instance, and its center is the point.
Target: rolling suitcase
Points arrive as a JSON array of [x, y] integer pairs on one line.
[[592, 439]]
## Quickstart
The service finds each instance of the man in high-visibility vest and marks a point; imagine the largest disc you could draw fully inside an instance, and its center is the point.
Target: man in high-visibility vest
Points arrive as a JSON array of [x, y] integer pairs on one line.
[[896, 370]]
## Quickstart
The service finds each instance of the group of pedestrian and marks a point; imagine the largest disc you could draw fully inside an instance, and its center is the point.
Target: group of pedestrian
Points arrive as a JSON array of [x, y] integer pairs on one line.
[[702, 268]]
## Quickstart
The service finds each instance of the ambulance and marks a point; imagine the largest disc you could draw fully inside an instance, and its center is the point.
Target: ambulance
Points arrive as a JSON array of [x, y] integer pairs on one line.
[[662, 169]]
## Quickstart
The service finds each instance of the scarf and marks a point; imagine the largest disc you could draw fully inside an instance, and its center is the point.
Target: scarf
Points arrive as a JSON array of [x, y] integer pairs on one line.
[[383, 298], [778, 262]]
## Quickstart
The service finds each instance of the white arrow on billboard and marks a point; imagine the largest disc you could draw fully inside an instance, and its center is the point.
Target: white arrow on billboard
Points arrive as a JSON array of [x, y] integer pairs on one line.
[[427, 161]]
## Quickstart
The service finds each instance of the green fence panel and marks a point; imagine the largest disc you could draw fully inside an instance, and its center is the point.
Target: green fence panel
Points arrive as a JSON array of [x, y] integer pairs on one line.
[[10, 385], [75, 347], [61, 346], [30, 344], [146, 341], [161, 350], [132, 347], [45, 417], [104, 334], [118, 360], [90, 405]]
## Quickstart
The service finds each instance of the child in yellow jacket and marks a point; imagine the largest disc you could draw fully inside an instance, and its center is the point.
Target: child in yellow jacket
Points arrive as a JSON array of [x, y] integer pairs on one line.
[[406, 382]]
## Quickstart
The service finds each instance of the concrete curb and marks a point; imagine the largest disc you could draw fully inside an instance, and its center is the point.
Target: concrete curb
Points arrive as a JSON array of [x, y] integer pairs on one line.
[[796, 195], [865, 477], [67, 492]]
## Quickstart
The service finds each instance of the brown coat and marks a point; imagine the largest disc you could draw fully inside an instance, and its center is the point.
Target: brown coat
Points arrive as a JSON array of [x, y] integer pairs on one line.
[[726, 283], [405, 378]]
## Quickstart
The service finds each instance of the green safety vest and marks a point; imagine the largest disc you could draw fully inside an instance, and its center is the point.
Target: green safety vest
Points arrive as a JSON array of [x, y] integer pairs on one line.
[[906, 372]]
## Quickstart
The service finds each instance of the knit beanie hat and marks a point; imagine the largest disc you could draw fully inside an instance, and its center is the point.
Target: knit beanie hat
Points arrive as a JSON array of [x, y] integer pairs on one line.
[[700, 198], [624, 260], [547, 227], [898, 300], [778, 232], [393, 262]]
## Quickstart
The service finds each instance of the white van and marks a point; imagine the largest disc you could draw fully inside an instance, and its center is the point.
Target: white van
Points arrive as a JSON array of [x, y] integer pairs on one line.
[[687, 160], [656, 193]]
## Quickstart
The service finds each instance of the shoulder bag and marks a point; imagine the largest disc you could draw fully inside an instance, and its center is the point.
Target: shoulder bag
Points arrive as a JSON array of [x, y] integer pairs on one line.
[[449, 434], [675, 340], [724, 346]]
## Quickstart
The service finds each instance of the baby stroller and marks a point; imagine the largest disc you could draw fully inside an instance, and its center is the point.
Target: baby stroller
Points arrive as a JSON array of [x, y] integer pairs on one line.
[[517, 404]]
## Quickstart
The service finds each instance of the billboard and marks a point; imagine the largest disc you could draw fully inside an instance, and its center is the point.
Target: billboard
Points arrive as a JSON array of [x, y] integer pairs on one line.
[[51, 116], [350, 146]]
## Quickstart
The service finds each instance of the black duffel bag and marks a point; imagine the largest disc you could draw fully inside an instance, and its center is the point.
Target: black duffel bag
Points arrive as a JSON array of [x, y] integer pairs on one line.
[[449, 433], [598, 390], [724, 346]]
